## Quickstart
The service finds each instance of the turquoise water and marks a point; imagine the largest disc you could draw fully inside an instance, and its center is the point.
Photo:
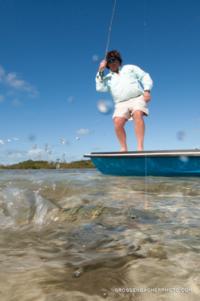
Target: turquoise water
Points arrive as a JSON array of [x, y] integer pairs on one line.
[[80, 235]]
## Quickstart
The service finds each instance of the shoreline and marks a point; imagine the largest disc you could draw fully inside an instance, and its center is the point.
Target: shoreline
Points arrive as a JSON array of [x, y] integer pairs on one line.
[[40, 164]]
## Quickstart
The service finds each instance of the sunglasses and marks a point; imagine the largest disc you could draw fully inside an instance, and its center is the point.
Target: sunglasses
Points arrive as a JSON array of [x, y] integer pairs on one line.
[[112, 60]]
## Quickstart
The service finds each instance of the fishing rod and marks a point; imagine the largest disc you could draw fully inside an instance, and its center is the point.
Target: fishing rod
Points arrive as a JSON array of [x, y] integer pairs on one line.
[[110, 27]]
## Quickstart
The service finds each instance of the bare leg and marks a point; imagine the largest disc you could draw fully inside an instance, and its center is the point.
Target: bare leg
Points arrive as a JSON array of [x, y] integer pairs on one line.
[[119, 123], [139, 129]]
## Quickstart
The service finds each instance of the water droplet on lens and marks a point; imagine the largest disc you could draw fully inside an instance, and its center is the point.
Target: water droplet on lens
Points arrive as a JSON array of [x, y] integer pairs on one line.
[[180, 135], [32, 137], [70, 99], [62, 141], [105, 106], [104, 293], [77, 274], [95, 58], [184, 159]]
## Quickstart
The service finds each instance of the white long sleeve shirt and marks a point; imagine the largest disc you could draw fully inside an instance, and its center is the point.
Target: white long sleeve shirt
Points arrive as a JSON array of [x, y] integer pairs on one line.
[[129, 82]]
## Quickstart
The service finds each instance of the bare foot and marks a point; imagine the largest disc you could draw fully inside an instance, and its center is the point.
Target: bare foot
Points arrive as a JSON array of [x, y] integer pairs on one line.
[[123, 149]]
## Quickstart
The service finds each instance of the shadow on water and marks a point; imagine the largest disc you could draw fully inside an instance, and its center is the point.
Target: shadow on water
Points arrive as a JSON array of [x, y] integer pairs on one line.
[[78, 235]]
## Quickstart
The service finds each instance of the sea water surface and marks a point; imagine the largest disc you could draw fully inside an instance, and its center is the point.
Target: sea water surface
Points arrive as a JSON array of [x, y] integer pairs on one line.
[[79, 235]]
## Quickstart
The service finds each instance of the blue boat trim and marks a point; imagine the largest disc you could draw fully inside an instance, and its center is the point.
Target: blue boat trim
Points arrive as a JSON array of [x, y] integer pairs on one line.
[[144, 163]]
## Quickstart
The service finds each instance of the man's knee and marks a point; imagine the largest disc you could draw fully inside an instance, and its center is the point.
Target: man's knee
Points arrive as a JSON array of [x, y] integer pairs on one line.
[[138, 115], [119, 122]]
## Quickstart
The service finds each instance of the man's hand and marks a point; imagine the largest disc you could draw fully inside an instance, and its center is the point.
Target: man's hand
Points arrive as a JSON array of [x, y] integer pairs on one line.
[[147, 96], [102, 65]]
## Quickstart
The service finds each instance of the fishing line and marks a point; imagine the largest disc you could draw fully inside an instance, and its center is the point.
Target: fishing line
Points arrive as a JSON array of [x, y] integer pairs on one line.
[[146, 180], [144, 25], [110, 27], [145, 184]]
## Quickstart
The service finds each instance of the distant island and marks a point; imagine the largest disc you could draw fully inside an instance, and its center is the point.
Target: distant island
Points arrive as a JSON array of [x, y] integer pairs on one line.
[[30, 164]]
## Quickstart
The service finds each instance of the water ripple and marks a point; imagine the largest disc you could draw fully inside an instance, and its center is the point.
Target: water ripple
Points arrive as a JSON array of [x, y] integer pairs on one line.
[[78, 235]]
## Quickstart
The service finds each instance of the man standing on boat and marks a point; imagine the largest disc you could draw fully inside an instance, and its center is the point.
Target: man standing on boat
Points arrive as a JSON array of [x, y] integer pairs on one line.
[[130, 88]]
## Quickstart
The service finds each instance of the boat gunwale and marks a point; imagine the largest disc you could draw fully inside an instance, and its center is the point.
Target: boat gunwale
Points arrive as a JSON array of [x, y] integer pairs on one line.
[[146, 154]]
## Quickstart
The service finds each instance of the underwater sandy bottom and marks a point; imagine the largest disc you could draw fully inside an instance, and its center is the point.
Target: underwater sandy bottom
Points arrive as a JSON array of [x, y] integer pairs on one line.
[[79, 235]]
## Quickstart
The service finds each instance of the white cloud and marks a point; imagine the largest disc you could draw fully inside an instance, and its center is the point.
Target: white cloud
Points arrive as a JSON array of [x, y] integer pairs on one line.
[[83, 132], [8, 140], [13, 81], [11, 156], [36, 153], [15, 155], [16, 102]]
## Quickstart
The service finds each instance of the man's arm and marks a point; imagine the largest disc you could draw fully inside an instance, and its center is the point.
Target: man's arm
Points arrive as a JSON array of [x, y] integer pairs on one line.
[[101, 85], [146, 81]]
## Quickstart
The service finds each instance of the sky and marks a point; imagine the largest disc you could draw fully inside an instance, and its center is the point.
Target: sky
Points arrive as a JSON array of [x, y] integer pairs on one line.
[[49, 55]]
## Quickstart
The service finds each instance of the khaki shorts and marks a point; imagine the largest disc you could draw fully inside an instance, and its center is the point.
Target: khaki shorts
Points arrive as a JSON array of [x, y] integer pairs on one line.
[[127, 108]]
